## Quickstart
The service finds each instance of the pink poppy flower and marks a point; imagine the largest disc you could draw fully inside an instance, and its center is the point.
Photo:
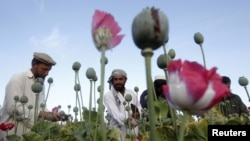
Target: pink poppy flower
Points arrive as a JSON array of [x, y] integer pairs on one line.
[[55, 110], [105, 30], [193, 88], [6, 126]]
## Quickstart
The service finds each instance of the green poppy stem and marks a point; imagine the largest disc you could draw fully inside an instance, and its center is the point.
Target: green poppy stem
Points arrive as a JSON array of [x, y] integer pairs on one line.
[[80, 105], [36, 108], [148, 53], [172, 111], [90, 100], [101, 106], [203, 56], [94, 95], [183, 125], [78, 79], [247, 93], [15, 109], [166, 60], [47, 95]]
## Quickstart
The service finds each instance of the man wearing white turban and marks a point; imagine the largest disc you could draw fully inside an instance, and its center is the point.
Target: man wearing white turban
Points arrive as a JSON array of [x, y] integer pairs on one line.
[[115, 99]]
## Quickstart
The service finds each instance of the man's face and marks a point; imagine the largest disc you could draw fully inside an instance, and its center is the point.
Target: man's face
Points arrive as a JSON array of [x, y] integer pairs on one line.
[[41, 70], [158, 86], [119, 82], [228, 84]]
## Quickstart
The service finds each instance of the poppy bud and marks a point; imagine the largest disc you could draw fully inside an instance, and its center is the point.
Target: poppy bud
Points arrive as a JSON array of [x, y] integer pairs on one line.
[[76, 66], [150, 29], [198, 38], [243, 81]]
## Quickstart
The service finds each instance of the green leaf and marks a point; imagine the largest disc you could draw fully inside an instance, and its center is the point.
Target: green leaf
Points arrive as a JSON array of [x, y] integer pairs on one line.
[[197, 130], [161, 108], [32, 136], [47, 129], [13, 137], [114, 133], [166, 133], [93, 114]]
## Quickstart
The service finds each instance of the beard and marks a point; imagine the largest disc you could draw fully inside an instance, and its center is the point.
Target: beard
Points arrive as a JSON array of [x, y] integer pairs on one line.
[[39, 76], [119, 87]]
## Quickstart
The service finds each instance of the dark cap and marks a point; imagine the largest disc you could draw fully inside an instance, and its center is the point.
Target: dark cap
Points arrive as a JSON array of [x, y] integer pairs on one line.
[[45, 58], [226, 79]]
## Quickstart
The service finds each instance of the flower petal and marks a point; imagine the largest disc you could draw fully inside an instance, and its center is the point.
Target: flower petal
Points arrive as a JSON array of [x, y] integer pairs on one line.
[[116, 40], [192, 87], [194, 75], [178, 92], [104, 20]]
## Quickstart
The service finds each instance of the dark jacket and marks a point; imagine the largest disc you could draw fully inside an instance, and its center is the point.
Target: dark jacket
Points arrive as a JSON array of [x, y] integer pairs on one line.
[[143, 101], [233, 105]]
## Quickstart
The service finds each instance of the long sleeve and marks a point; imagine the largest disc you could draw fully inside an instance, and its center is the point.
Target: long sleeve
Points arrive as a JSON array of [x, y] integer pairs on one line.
[[115, 106], [143, 101], [242, 106], [117, 111], [20, 85]]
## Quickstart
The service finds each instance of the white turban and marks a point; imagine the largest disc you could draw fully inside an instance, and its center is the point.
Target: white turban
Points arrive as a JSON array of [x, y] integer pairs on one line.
[[117, 72]]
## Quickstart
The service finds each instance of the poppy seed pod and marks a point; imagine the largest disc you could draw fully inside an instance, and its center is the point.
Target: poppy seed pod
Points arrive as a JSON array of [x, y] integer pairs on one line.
[[128, 97], [243, 81], [24, 99], [77, 87], [50, 80], [198, 38], [150, 29], [127, 108], [136, 89], [163, 61], [69, 106], [16, 98], [75, 109], [37, 87], [99, 88], [90, 73], [59, 106], [105, 60], [171, 53], [76, 66], [42, 105], [19, 118], [40, 80], [30, 107], [95, 78], [62, 113]]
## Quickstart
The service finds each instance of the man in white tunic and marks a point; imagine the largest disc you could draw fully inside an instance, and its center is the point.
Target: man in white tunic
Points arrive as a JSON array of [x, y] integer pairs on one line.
[[114, 101], [20, 85]]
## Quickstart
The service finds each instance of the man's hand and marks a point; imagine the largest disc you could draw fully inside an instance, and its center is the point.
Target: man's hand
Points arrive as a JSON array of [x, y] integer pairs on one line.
[[135, 111], [132, 122], [49, 116]]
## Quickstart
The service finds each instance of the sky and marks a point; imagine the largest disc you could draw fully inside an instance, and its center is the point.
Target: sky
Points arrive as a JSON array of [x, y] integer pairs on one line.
[[62, 29]]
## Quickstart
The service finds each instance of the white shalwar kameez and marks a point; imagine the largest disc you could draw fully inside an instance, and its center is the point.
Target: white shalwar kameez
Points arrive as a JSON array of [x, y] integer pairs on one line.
[[113, 101], [19, 85]]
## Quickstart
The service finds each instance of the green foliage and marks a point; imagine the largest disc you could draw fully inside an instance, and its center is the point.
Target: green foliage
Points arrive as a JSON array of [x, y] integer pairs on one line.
[[161, 109], [196, 128], [32, 136], [46, 129]]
